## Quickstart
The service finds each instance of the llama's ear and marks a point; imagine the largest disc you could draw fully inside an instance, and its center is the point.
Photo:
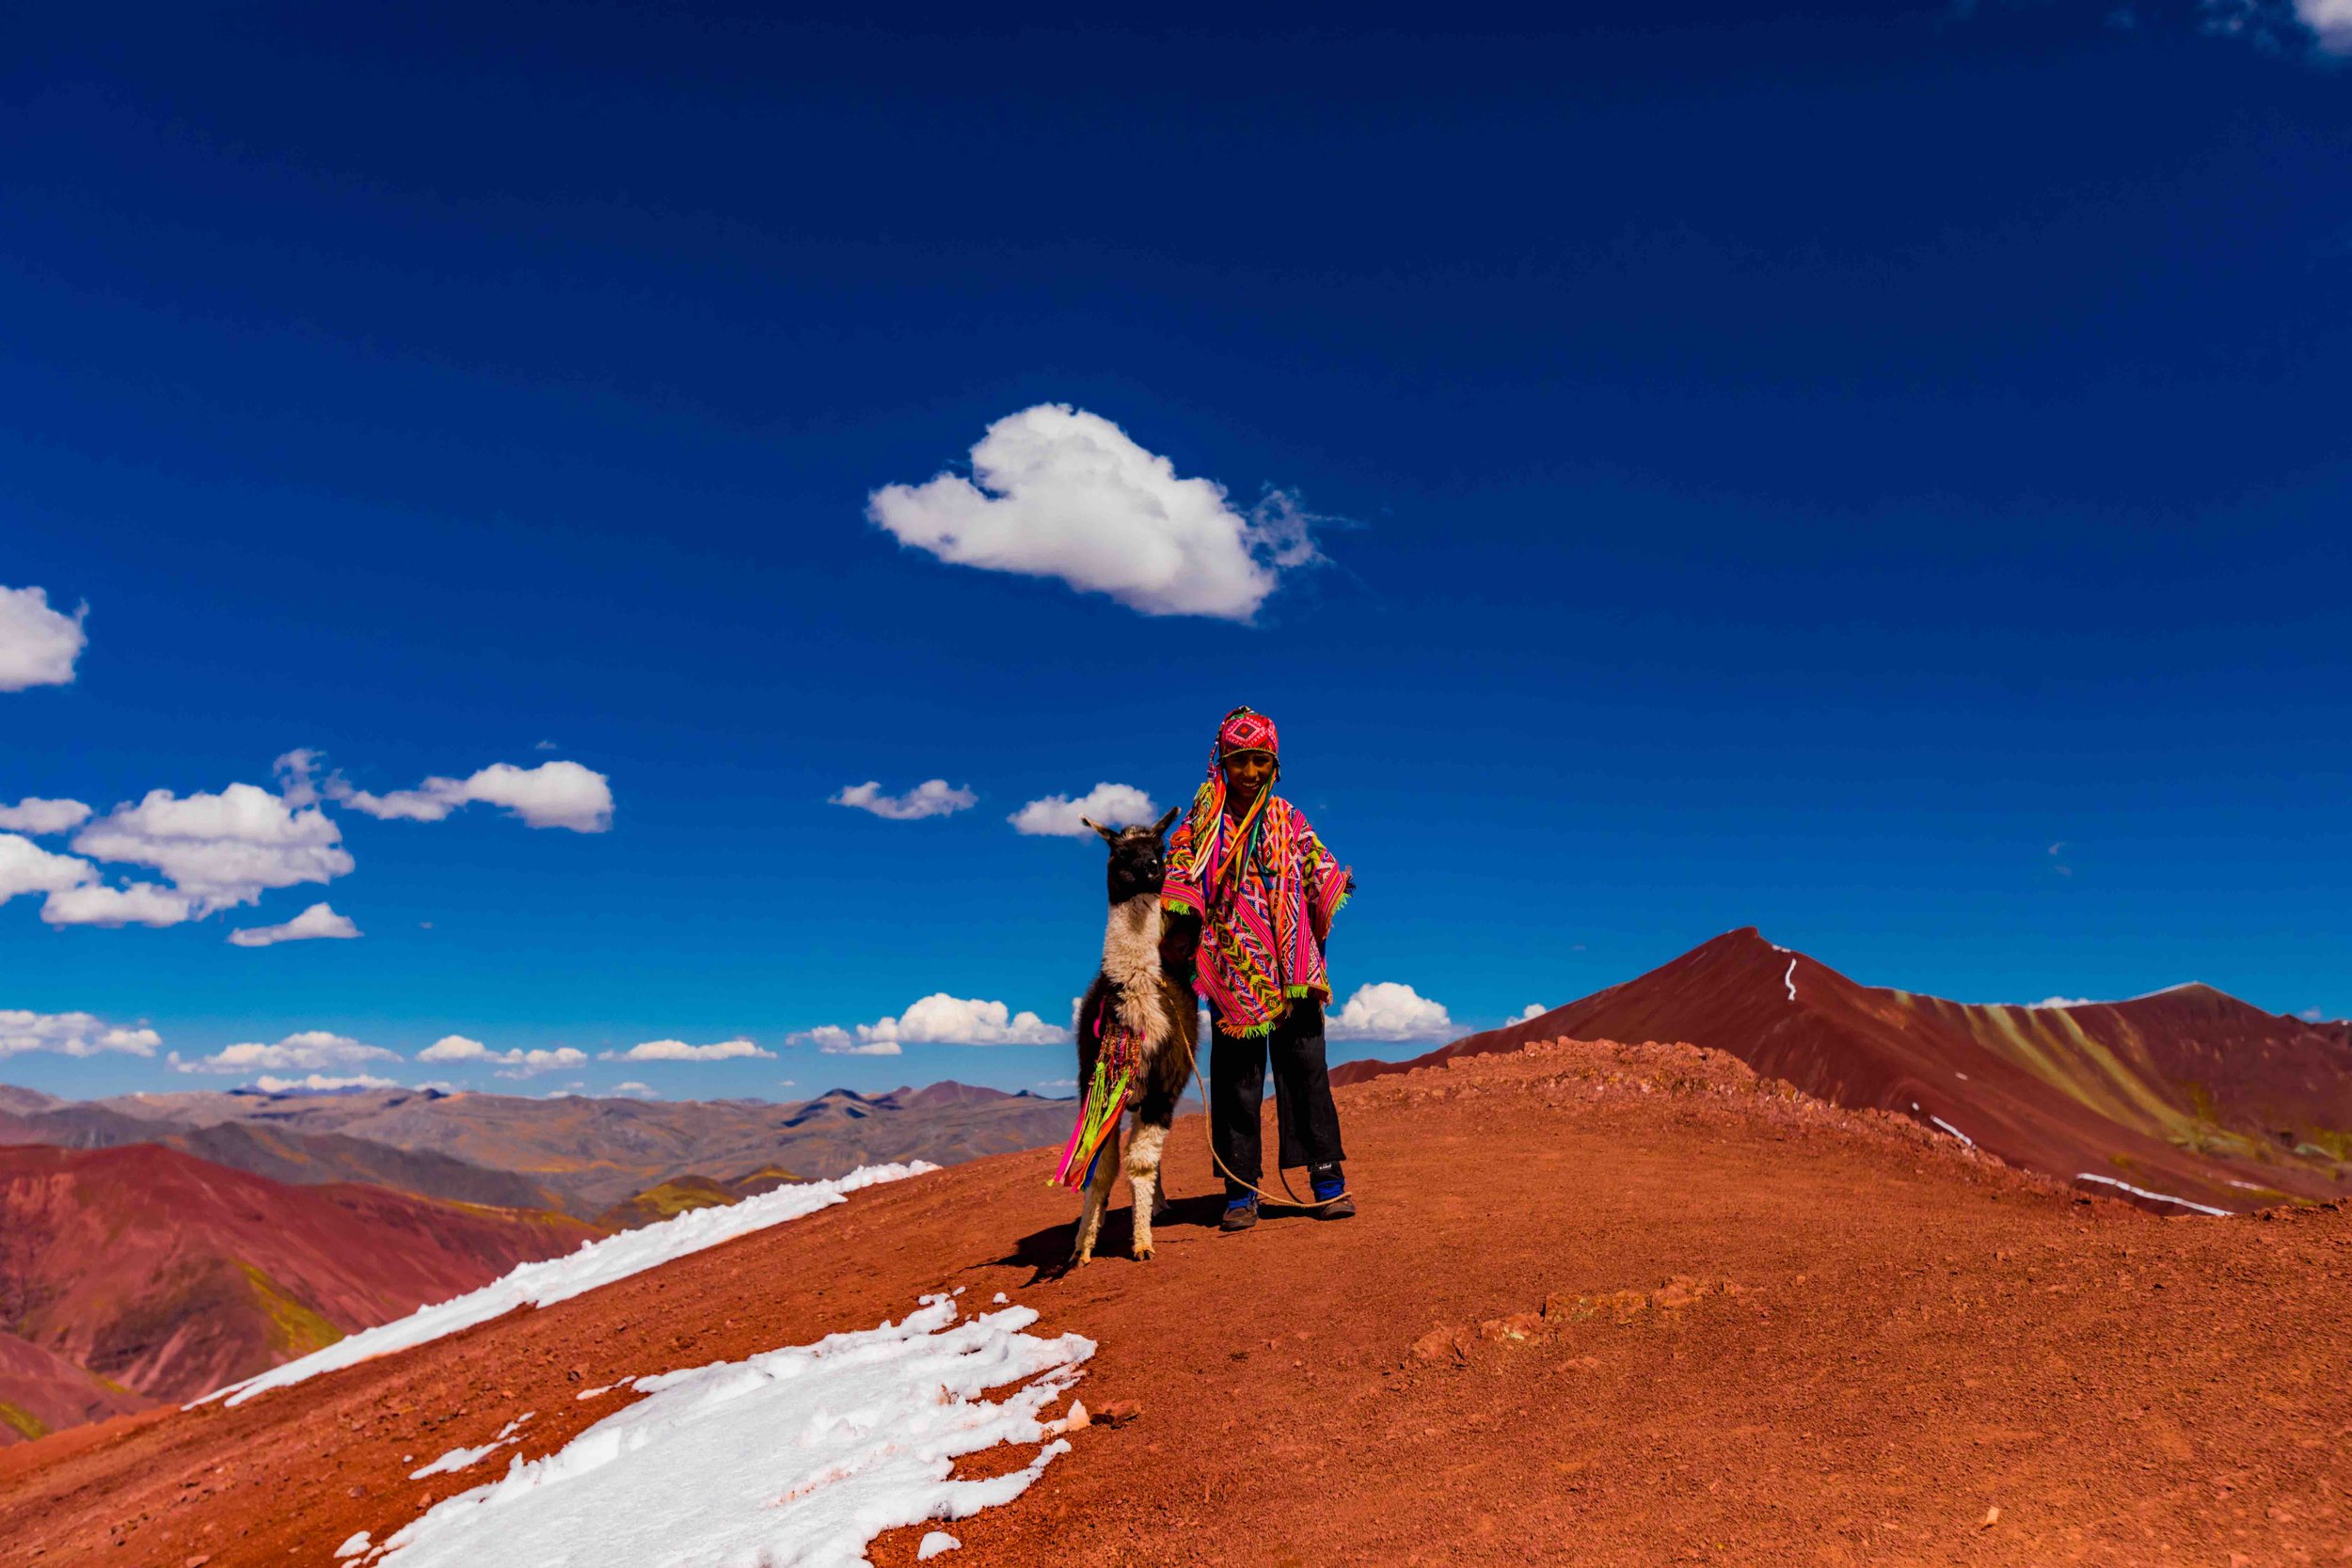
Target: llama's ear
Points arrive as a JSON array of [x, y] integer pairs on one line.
[[1110, 835], [1159, 828]]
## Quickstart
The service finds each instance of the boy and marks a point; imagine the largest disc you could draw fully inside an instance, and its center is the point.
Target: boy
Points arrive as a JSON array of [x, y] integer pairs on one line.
[[1252, 885]]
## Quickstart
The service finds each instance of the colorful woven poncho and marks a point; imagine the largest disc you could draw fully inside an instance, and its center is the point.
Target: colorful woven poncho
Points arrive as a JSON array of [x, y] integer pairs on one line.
[[1264, 887]]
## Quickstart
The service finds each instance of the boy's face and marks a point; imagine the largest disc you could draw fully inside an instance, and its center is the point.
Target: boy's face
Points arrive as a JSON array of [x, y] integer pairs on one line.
[[1245, 774]]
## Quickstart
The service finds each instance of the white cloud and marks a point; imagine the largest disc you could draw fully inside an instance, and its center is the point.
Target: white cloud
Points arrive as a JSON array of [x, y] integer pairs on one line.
[[70, 1035], [938, 1019], [834, 1041], [2330, 21], [1111, 804], [1534, 1009], [931, 798], [456, 1047], [678, 1051], [317, 921], [1387, 1010], [294, 771], [1062, 493], [37, 816], [2326, 22], [319, 1082], [530, 1064], [139, 904], [311, 1049], [553, 794], [512, 1063], [634, 1090], [219, 850], [2063, 1002], [2312, 1015], [37, 645], [27, 867]]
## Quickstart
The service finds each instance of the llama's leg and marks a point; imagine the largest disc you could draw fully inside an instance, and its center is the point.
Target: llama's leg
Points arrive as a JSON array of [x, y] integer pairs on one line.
[[1143, 1176], [1097, 1199]]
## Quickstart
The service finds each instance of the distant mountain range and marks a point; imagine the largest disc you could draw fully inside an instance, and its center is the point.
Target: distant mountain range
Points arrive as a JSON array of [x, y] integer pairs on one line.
[[576, 1155], [155, 1247], [2188, 1093]]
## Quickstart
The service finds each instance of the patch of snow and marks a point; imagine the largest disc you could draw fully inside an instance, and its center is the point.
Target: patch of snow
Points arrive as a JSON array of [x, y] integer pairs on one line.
[[796, 1457], [1961, 1076], [933, 1544], [1953, 1131], [1789, 979], [457, 1459], [1000, 1298], [592, 1393], [354, 1547], [2160, 1197], [598, 1263], [2249, 1186]]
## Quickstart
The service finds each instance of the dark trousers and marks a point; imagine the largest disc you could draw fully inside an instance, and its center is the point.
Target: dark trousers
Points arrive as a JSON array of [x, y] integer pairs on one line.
[[1308, 1122]]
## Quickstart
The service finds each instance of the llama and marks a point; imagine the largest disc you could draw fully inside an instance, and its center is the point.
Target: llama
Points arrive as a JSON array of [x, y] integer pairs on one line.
[[1133, 996]]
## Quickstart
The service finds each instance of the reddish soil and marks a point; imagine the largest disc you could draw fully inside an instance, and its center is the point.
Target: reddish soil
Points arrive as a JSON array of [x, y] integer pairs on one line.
[[1604, 1305], [2189, 1092], [172, 1276]]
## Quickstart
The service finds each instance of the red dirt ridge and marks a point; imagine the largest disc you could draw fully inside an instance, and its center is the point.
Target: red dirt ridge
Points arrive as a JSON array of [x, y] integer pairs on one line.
[[2189, 1092], [1605, 1304]]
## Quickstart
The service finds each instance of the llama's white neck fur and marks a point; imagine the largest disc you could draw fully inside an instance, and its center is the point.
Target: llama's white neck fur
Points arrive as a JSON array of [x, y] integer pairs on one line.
[[1131, 961]]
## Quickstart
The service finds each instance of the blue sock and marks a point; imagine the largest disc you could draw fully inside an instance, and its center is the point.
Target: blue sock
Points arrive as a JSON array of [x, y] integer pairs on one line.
[[1328, 1182], [1240, 1200]]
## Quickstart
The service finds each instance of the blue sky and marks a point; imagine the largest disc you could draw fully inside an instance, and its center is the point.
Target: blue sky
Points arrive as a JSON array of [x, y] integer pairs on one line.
[[1879, 475]]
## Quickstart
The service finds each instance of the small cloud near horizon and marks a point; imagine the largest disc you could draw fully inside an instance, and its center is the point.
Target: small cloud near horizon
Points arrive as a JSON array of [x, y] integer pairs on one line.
[[1391, 1011], [319, 922], [938, 1019], [70, 1035], [1114, 805], [515, 1063], [41, 818], [553, 794], [318, 1083], [306, 1052], [931, 798], [678, 1051]]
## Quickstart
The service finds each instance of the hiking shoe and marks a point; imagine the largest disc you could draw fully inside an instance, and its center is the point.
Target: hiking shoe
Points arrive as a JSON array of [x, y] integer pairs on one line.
[[1240, 1214], [1328, 1186]]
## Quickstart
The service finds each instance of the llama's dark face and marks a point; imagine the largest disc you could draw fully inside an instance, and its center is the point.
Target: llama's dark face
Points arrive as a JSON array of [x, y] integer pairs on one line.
[[1138, 865]]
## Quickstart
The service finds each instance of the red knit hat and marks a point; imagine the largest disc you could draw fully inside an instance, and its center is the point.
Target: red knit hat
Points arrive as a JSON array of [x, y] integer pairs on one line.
[[1247, 729]]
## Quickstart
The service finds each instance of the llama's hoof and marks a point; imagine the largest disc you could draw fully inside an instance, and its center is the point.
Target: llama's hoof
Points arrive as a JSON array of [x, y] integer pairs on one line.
[[1079, 1259], [1143, 1254]]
